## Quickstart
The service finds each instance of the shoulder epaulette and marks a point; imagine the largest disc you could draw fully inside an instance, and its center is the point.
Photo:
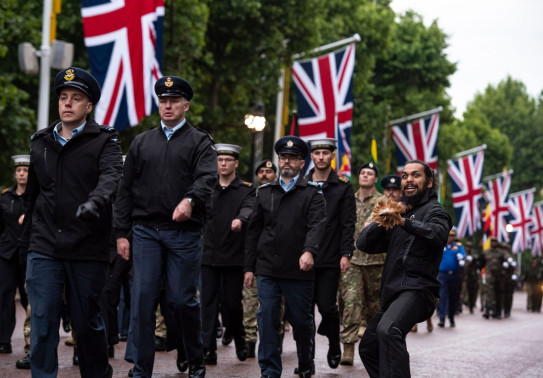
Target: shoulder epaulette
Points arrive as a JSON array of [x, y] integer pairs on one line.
[[5, 190], [205, 132], [458, 243], [264, 185], [108, 129], [344, 179], [246, 183]]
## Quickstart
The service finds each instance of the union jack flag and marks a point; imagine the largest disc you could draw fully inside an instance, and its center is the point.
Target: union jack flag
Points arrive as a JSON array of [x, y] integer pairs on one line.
[[417, 141], [497, 194], [537, 229], [124, 44], [324, 90], [466, 174], [520, 208]]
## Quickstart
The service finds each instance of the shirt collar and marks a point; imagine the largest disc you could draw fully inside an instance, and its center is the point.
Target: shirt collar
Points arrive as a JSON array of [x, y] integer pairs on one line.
[[290, 184], [59, 138], [169, 132]]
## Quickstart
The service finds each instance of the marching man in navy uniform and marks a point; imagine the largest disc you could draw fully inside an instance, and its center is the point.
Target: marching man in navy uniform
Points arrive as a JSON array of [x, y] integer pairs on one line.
[[338, 242], [169, 174], [228, 213], [75, 166], [283, 237]]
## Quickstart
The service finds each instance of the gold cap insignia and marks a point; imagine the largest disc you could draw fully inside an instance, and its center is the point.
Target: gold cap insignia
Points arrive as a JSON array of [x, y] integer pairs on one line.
[[69, 74], [268, 164], [393, 180], [168, 82], [289, 143]]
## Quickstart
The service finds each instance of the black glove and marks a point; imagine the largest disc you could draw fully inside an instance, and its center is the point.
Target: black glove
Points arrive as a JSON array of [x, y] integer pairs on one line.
[[88, 211]]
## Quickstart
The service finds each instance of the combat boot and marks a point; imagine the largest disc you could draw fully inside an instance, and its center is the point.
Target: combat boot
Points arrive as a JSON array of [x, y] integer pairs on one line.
[[348, 355]]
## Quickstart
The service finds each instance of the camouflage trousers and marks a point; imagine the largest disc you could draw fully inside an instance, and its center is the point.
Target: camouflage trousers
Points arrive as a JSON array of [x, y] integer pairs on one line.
[[26, 330], [359, 298], [250, 308], [494, 295], [160, 325]]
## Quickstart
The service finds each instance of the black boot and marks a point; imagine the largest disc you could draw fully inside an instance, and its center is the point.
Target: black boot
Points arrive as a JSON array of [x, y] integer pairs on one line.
[[241, 348], [334, 355], [75, 359], [23, 363], [251, 349], [197, 368], [210, 357]]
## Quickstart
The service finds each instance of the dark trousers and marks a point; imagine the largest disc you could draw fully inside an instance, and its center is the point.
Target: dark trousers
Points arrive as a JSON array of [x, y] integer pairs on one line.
[[449, 294], [298, 299], [11, 274], [325, 297], [117, 279], [224, 285], [382, 348], [84, 282], [174, 255]]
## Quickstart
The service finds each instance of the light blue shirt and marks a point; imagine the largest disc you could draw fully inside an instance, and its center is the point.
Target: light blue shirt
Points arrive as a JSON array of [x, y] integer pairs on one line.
[[169, 132], [59, 138], [290, 184]]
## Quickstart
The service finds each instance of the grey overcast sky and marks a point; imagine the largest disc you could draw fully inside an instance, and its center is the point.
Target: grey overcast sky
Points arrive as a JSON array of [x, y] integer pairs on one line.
[[488, 39]]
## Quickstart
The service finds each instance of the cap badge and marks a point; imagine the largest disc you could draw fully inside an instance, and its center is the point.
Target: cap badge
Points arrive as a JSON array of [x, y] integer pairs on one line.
[[371, 165], [268, 164], [168, 82], [289, 143], [69, 74], [393, 180]]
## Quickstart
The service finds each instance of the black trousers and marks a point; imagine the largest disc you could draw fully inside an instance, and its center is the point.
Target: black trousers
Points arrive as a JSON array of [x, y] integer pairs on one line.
[[12, 273], [383, 349], [117, 280], [325, 297], [228, 283]]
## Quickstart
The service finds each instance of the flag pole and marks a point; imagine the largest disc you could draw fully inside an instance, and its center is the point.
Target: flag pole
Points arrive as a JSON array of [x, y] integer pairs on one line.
[[354, 38], [470, 151], [531, 190], [497, 175], [416, 116]]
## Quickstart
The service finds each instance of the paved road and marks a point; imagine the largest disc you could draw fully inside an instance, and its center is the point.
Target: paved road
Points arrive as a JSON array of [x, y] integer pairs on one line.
[[475, 348]]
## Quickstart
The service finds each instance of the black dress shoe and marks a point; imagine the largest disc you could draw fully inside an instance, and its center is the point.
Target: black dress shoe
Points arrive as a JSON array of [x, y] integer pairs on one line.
[[160, 344], [109, 373], [305, 374], [452, 324], [182, 362], [210, 357], [23, 363], [226, 339], [66, 325], [334, 355], [311, 370], [251, 349], [218, 332], [111, 351], [441, 324], [197, 368], [5, 348], [241, 348], [131, 372], [75, 359]]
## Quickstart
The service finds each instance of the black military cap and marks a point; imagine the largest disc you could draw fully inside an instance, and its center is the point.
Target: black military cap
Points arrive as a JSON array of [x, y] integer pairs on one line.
[[369, 165], [173, 86], [291, 145], [391, 182], [78, 78], [265, 164], [228, 149]]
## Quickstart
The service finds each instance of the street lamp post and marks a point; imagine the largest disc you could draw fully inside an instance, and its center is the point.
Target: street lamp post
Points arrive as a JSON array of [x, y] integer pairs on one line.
[[255, 123]]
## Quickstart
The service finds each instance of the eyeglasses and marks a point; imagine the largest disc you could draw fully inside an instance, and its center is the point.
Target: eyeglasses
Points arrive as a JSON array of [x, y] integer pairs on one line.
[[289, 158], [225, 160]]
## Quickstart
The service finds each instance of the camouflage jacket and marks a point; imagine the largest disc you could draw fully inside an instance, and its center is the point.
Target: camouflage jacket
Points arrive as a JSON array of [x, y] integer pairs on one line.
[[363, 216]]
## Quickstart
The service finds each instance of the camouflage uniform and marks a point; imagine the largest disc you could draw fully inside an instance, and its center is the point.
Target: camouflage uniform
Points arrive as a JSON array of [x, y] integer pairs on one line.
[[509, 282], [534, 280], [494, 257], [471, 279], [360, 285]]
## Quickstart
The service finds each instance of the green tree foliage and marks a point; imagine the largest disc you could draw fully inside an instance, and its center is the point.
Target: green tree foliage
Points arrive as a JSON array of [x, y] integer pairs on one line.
[[509, 110]]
